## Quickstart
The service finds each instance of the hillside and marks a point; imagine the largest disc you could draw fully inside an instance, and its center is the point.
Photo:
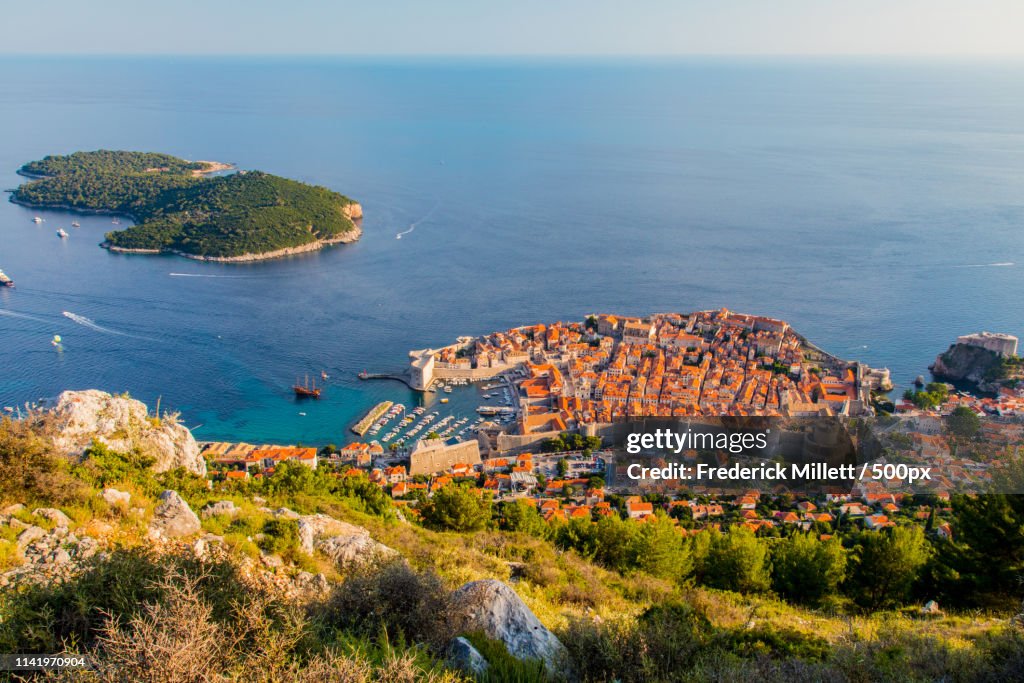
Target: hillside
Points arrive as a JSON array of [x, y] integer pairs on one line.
[[315, 575], [178, 209]]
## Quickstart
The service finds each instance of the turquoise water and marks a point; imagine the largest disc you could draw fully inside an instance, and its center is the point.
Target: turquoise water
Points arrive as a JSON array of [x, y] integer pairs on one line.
[[877, 206]]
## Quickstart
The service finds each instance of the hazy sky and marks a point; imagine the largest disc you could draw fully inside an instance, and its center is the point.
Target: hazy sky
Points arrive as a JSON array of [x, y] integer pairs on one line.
[[565, 27]]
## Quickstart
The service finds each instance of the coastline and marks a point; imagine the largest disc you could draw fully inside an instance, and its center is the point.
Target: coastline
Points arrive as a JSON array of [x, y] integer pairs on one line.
[[211, 167], [352, 211], [346, 238], [72, 209]]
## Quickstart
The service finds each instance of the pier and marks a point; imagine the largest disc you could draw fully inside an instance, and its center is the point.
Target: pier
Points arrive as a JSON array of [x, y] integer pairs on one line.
[[396, 376]]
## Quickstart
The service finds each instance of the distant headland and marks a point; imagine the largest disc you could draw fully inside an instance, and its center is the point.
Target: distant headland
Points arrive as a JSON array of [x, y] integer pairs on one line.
[[181, 208]]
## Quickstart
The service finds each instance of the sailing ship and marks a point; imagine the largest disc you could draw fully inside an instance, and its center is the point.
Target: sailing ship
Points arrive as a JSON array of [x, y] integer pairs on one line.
[[305, 390], [5, 281]]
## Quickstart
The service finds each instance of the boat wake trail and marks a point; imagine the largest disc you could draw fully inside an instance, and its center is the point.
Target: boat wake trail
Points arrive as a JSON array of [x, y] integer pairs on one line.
[[23, 316], [412, 226], [87, 322], [1006, 264], [219, 277]]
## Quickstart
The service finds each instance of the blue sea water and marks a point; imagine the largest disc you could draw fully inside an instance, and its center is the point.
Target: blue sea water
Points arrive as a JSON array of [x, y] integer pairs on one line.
[[876, 205]]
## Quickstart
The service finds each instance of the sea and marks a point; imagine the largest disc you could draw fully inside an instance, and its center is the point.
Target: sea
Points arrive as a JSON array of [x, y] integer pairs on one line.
[[875, 204]]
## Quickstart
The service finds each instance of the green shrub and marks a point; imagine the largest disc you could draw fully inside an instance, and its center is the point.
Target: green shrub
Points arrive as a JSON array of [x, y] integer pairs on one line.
[[44, 617], [393, 599], [30, 470], [504, 668], [103, 467]]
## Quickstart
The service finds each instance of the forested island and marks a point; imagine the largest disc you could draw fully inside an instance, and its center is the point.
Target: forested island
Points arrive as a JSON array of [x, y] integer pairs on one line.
[[180, 208]]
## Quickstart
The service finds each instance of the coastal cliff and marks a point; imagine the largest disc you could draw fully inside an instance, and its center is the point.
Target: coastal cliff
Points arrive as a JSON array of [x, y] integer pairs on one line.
[[967, 363]]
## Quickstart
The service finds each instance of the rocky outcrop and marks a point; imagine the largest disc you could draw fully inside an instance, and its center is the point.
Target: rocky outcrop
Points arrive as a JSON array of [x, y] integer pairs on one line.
[[346, 544], [967, 363], [492, 607], [47, 555], [115, 497], [173, 517], [221, 507], [123, 424], [353, 211], [464, 657], [53, 515]]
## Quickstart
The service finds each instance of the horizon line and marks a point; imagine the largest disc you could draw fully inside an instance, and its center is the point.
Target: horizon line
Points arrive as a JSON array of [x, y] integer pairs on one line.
[[551, 55]]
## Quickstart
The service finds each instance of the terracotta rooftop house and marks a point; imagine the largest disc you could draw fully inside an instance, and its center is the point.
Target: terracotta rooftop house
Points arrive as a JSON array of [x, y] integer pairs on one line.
[[268, 456], [639, 510]]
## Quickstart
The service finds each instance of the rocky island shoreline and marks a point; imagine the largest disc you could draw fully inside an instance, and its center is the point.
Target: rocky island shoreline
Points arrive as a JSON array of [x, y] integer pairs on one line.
[[183, 208]]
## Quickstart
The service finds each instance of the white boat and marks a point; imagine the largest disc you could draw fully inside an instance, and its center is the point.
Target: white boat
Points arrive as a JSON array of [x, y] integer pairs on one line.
[[76, 224], [61, 233], [37, 220]]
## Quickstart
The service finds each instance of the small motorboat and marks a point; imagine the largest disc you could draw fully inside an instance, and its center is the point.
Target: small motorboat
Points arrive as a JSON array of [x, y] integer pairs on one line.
[[61, 233], [76, 224], [37, 220]]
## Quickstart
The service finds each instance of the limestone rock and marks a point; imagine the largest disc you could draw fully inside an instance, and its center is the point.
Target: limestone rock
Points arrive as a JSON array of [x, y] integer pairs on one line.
[[12, 509], [315, 585], [931, 609], [60, 556], [494, 608], [346, 544], [123, 424], [173, 517], [463, 656], [221, 507], [115, 497], [54, 515], [30, 535]]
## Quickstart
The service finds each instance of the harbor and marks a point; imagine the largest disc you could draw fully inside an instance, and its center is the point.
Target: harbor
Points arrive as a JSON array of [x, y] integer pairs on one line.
[[450, 411]]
